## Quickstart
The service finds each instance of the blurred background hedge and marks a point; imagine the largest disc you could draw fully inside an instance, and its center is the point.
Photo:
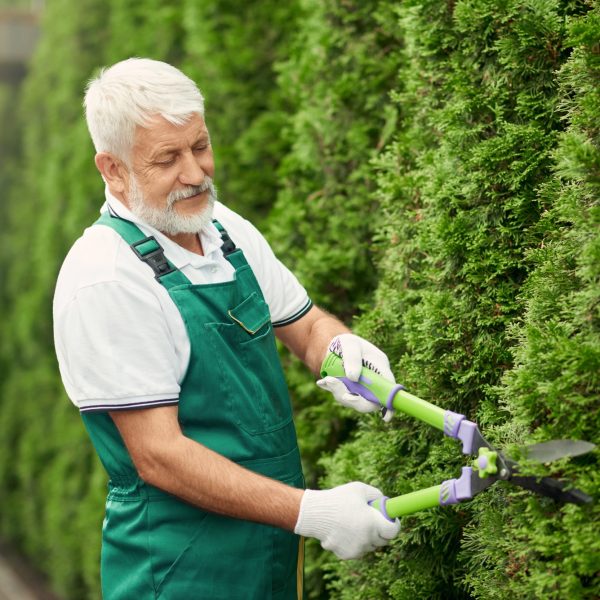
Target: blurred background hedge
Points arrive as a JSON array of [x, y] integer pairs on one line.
[[431, 172]]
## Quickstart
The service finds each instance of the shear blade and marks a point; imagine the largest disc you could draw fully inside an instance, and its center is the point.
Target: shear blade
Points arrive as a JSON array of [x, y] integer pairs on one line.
[[555, 449], [553, 488]]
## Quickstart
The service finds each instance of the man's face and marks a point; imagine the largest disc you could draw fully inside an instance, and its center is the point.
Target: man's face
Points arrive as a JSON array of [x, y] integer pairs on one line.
[[170, 184]]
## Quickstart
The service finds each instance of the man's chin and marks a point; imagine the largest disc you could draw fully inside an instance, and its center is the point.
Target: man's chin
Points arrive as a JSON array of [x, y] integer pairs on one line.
[[172, 222], [188, 223]]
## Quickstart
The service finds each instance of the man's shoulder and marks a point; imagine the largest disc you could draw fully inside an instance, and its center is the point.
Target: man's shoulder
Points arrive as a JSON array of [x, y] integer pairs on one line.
[[99, 256], [95, 253]]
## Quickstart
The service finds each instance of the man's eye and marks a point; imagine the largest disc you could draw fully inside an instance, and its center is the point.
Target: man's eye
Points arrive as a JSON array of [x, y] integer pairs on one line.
[[200, 148], [166, 163]]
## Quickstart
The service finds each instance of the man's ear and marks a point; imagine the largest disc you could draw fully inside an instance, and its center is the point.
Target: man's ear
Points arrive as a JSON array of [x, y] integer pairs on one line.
[[113, 171]]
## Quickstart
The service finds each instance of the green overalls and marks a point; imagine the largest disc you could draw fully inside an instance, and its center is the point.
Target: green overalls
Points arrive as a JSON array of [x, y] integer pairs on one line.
[[234, 400]]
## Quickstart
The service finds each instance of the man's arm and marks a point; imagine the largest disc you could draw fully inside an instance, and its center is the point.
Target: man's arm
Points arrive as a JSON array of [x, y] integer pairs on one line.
[[340, 518], [309, 337], [167, 459]]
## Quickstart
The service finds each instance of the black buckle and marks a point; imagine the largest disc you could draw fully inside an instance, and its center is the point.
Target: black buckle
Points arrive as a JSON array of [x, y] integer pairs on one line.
[[227, 247], [155, 259]]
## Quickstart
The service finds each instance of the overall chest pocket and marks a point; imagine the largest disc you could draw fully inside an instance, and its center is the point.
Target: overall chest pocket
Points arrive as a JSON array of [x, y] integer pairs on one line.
[[250, 372]]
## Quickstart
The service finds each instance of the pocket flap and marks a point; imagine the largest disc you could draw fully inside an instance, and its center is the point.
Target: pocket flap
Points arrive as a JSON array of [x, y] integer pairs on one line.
[[251, 314]]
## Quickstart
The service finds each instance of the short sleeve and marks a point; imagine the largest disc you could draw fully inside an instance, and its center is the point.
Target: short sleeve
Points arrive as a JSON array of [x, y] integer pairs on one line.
[[115, 349]]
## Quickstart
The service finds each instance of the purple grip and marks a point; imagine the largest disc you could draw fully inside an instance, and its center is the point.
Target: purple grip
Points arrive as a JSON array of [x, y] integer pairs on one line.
[[390, 401], [452, 423], [382, 507], [457, 426], [455, 490], [355, 387]]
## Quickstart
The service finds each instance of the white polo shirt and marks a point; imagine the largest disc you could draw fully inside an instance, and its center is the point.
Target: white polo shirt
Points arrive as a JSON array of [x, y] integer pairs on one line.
[[120, 340]]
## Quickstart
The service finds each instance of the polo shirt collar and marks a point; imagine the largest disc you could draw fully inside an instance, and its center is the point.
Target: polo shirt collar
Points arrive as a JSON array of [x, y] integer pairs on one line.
[[180, 257]]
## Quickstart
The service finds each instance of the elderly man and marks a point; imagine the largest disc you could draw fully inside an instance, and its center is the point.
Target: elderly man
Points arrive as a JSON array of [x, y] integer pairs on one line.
[[166, 312]]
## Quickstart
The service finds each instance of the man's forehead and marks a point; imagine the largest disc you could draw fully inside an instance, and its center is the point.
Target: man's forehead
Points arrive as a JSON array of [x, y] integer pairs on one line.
[[157, 130]]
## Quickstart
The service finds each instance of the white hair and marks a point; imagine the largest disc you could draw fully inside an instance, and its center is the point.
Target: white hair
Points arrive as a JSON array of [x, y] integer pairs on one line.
[[131, 93]]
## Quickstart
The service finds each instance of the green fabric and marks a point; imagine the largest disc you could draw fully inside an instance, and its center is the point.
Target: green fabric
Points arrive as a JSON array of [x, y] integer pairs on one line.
[[251, 314], [233, 400], [147, 246]]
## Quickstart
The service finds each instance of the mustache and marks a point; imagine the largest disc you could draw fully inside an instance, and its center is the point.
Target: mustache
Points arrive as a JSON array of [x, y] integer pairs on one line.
[[191, 190]]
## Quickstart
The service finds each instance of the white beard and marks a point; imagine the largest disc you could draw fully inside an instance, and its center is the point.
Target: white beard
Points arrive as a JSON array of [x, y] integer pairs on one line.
[[167, 220]]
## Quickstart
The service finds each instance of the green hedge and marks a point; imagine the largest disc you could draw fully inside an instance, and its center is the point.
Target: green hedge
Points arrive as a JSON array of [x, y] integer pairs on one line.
[[488, 294], [52, 486], [343, 62], [231, 48], [51, 483], [431, 172]]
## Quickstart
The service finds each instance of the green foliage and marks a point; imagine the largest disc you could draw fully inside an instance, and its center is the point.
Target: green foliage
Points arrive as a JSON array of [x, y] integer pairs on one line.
[[342, 62], [9, 151], [554, 387], [481, 309], [231, 48], [52, 486], [431, 172], [47, 464]]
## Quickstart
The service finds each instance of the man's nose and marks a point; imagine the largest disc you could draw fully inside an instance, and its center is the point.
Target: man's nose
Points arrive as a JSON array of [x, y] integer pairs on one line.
[[191, 171]]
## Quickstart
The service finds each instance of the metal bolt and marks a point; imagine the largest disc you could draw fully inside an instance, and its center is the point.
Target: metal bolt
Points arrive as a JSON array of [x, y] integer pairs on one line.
[[503, 473]]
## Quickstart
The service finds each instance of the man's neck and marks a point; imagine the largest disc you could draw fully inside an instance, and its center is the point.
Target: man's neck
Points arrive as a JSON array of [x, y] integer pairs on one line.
[[189, 241]]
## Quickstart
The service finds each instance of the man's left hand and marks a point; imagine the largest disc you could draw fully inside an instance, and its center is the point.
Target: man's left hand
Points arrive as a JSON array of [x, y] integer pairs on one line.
[[356, 353]]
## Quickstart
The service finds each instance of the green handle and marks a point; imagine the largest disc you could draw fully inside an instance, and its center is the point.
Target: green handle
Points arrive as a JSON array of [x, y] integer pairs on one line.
[[378, 390], [408, 504], [390, 395]]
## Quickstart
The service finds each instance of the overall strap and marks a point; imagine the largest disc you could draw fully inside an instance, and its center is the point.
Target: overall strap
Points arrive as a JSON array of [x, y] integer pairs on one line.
[[230, 251], [147, 249]]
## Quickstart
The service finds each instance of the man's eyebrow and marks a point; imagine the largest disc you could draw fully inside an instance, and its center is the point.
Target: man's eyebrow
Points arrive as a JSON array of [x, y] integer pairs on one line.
[[164, 150], [202, 138], [162, 155]]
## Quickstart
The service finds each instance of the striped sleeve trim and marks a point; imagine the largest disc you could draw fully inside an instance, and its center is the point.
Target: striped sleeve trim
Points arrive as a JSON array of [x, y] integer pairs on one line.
[[129, 405], [296, 316]]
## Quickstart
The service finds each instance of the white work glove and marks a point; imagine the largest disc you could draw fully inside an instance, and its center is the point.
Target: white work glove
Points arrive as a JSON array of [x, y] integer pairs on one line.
[[355, 351], [343, 522]]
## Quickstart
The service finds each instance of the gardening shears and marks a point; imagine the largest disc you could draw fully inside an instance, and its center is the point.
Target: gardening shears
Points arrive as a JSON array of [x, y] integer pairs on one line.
[[489, 465]]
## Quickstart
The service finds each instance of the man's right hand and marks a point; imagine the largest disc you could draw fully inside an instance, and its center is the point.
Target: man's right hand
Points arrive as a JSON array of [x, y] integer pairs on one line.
[[342, 520]]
